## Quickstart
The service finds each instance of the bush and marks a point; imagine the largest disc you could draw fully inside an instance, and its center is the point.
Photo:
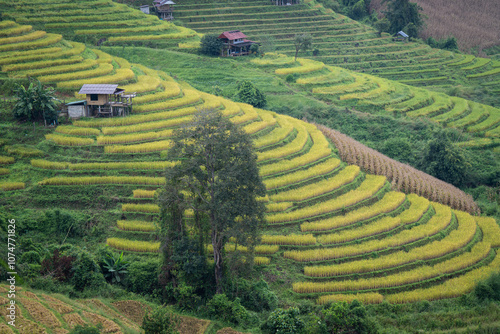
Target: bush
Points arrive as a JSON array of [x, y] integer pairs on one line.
[[58, 266], [292, 77], [342, 317], [282, 321], [31, 257], [221, 308], [87, 273], [159, 321], [489, 289], [142, 276], [62, 223], [211, 45], [248, 93], [256, 296]]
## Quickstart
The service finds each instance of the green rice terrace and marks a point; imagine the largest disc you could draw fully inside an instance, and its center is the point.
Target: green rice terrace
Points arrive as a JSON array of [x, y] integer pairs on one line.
[[341, 41], [344, 222]]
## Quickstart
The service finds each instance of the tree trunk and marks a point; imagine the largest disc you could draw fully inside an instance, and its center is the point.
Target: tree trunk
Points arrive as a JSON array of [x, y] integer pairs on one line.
[[217, 246]]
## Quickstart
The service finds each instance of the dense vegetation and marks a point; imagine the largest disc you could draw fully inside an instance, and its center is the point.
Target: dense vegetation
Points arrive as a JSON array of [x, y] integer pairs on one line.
[[335, 234]]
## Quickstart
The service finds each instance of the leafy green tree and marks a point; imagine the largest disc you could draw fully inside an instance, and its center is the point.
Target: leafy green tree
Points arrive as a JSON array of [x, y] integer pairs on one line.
[[358, 11], [283, 321], [347, 318], [217, 177], [211, 45], [248, 93], [302, 42], [87, 273], [160, 321], [382, 25], [220, 307], [401, 13], [445, 161], [35, 102], [114, 267]]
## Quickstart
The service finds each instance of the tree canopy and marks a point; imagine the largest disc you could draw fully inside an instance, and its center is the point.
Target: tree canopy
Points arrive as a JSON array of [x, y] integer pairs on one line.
[[404, 15], [302, 42], [248, 93], [210, 45], [217, 177]]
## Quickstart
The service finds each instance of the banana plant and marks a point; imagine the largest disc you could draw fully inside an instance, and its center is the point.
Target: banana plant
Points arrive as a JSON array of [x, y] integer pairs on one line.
[[114, 267]]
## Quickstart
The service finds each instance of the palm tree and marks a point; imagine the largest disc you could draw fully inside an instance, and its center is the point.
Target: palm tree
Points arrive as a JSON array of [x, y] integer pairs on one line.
[[35, 103]]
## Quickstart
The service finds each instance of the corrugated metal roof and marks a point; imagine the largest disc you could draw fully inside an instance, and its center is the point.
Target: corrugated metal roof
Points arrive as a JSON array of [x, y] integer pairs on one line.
[[98, 89], [232, 35], [82, 102], [402, 33]]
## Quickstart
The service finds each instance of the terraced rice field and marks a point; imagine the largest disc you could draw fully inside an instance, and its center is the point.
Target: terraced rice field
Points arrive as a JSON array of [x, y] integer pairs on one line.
[[347, 233], [96, 22], [377, 95], [339, 40]]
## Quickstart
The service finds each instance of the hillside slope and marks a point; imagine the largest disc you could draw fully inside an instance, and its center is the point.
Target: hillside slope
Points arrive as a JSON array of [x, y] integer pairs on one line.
[[339, 233]]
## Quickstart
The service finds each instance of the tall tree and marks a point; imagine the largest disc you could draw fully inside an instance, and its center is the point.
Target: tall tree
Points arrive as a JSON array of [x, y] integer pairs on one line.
[[217, 170], [404, 14], [302, 42], [211, 45]]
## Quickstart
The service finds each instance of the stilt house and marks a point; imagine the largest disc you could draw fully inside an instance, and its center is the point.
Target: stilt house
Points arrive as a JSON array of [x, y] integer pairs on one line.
[[235, 43], [106, 100], [164, 9]]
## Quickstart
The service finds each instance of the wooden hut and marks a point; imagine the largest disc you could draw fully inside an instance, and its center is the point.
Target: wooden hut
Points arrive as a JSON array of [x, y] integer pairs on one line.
[[164, 9], [106, 100], [235, 43]]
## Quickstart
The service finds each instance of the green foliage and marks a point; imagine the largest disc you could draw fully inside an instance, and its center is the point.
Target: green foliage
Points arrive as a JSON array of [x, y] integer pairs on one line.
[[248, 93], [398, 148], [382, 25], [358, 11], [86, 329], [449, 43], [445, 161], [210, 45], [489, 289], [159, 321], [348, 318], [292, 77], [221, 308], [31, 257], [401, 13], [191, 263], [35, 103], [254, 48], [142, 277], [87, 273], [186, 297], [302, 42], [62, 223], [256, 296], [217, 168], [114, 266], [282, 321]]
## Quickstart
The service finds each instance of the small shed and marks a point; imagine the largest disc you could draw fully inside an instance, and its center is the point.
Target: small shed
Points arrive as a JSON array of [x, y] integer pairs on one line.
[[144, 9], [106, 100], [164, 9], [77, 109], [401, 36], [235, 43]]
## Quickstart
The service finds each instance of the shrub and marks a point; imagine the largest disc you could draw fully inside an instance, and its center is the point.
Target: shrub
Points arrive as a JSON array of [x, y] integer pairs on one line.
[[489, 289], [31, 257], [87, 273], [62, 222], [210, 45], [248, 93], [142, 276], [58, 266], [282, 321], [342, 317], [256, 296], [221, 308], [159, 321]]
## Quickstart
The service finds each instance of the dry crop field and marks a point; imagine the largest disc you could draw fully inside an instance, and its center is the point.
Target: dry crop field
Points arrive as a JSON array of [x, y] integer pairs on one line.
[[473, 23]]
